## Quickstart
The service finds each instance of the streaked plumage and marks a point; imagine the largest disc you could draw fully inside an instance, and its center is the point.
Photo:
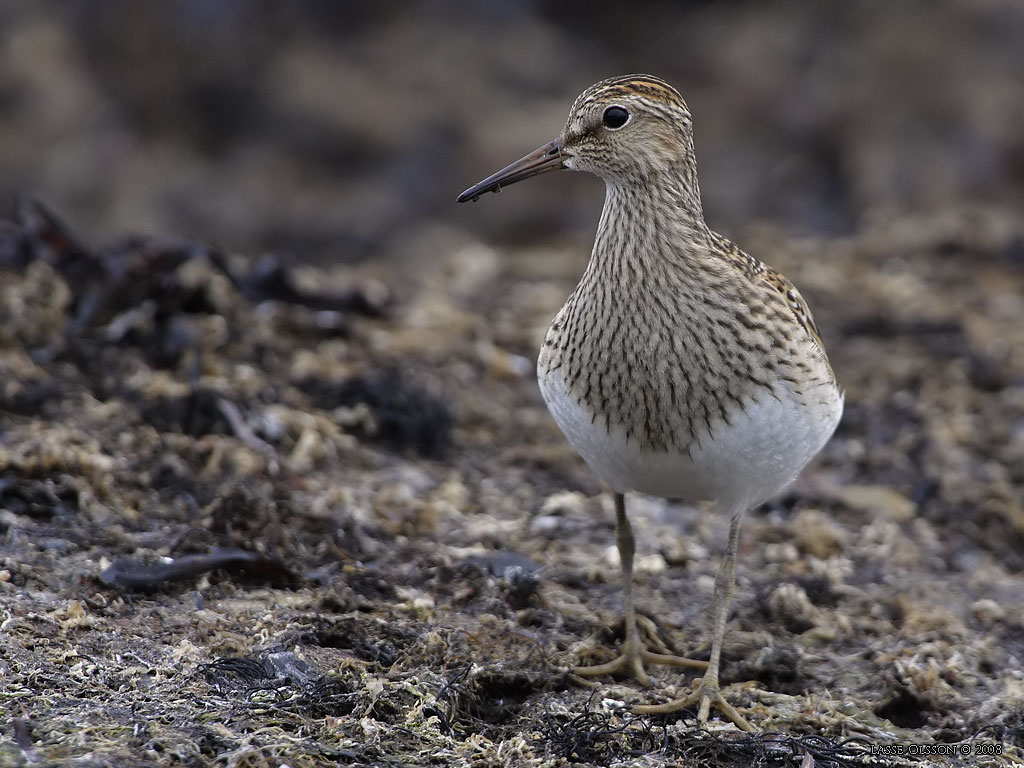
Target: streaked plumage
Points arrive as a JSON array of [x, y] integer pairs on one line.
[[680, 366]]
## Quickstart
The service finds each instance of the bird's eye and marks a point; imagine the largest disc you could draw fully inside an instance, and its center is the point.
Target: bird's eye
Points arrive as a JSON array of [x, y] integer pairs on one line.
[[615, 117]]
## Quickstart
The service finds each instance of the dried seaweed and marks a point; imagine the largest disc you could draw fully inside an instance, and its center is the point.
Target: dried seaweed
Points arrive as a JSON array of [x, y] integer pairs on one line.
[[352, 394], [146, 577]]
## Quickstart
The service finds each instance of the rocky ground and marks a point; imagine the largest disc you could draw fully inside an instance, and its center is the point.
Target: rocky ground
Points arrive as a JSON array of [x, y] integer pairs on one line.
[[298, 501]]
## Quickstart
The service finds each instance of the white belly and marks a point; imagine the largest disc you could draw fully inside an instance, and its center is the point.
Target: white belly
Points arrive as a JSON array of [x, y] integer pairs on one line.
[[741, 465]]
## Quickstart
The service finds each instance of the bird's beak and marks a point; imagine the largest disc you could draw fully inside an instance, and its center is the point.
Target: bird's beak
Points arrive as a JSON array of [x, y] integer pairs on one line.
[[541, 160]]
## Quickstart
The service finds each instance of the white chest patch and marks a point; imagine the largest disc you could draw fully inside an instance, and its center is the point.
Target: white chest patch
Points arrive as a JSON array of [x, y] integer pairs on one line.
[[739, 466]]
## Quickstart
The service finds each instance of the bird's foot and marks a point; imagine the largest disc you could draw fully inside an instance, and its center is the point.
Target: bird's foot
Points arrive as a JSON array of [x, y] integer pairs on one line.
[[706, 695], [635, 655]]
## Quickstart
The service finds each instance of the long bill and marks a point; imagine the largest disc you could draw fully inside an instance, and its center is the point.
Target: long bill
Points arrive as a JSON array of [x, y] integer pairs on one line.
[[541, 160]]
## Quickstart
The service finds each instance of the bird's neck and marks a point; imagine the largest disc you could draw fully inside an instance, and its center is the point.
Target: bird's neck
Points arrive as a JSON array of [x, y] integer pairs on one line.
[[649, 223]]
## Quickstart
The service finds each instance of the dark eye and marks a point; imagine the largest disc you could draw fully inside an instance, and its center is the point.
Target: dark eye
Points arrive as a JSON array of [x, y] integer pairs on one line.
[[615, 117]]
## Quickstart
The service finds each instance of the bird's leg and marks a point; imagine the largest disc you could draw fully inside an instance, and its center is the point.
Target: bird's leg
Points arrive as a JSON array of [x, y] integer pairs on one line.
[[634, 654], [708, 693]]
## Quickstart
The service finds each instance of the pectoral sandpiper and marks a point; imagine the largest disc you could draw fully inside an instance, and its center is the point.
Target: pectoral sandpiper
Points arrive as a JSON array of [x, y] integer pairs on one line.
[[680, 366]]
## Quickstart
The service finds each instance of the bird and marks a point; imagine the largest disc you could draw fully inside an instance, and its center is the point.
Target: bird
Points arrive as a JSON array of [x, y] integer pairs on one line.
[[680, 366]]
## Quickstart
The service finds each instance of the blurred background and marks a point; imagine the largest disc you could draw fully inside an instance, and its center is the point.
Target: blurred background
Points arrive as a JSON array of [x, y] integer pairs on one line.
[[342, 131], [394, 448]]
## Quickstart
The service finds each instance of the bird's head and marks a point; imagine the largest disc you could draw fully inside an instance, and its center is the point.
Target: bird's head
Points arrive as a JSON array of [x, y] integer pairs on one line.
[[625, 130]]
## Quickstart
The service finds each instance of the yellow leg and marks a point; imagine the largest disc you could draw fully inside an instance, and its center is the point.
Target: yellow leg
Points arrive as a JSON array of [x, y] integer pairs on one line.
[[634, 654], [708, 693]]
